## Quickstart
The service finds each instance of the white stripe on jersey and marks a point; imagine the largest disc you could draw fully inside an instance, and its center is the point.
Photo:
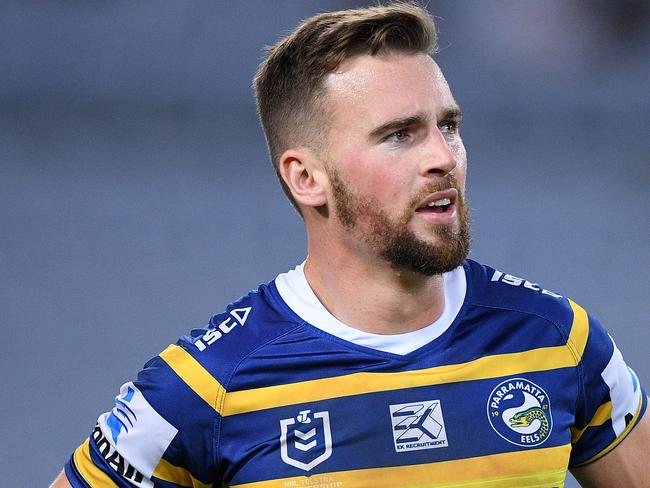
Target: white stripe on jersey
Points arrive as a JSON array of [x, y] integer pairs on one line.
[[624, 389]]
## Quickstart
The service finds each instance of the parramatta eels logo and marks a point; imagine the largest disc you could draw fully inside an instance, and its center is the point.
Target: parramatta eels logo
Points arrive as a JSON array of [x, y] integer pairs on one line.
[[520, 412]]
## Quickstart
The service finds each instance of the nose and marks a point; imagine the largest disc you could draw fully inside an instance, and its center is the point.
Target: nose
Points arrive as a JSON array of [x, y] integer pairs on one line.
[[438, 158]]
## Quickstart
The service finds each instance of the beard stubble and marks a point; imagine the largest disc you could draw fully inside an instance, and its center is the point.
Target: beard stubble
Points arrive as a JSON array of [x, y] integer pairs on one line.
[[393, 240]]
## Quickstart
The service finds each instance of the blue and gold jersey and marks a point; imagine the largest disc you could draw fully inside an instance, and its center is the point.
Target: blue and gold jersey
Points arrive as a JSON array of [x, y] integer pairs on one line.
[[513, 385]]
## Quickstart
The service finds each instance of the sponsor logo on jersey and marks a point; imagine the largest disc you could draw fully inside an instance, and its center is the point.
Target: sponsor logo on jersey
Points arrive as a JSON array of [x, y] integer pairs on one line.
[[136, 430], [514, 281], [418, 426], [306, 440], [237, 316], [117, 462], [520, 412], [121, 417]]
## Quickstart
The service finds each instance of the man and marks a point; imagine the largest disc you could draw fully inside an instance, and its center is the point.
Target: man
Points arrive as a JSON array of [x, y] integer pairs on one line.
[[386, 359]]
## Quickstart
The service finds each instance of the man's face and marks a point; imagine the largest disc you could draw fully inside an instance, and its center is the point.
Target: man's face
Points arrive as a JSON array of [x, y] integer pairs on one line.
[[396, 162]]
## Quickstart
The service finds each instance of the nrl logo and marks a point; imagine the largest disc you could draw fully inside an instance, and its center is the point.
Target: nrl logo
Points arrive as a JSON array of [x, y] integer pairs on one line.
[[306, 441]]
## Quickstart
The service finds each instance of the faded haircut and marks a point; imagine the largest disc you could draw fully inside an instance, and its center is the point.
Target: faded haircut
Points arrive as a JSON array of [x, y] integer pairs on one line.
[[289, 83]]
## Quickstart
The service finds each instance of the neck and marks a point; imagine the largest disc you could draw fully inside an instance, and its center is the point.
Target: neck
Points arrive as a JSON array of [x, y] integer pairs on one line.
[[371, 295]]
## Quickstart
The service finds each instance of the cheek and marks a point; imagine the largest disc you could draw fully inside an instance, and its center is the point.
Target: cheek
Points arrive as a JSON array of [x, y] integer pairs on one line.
[[369, 173], [383, 184], [461, 162]]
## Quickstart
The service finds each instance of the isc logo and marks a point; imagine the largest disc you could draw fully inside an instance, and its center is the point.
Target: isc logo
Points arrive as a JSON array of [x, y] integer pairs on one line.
[[514, 281], [237, 316]]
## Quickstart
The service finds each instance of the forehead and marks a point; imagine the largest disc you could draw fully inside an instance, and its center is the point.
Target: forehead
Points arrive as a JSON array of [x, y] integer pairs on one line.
[[373, 89]]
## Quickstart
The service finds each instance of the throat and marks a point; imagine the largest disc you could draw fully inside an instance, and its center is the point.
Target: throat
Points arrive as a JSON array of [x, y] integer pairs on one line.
[[379, 306]]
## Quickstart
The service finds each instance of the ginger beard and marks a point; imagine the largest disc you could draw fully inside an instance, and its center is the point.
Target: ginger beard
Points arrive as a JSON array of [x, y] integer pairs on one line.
[[393, 240]]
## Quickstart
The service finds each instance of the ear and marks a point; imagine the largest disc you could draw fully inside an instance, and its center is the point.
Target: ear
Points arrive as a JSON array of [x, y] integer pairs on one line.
[[302, 171]]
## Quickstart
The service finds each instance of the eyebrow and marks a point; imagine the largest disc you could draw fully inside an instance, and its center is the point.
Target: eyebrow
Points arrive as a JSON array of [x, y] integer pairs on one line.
[[453, 113]]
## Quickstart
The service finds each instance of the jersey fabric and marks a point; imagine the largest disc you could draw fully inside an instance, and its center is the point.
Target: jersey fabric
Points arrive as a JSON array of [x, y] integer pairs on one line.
[[512, 385]]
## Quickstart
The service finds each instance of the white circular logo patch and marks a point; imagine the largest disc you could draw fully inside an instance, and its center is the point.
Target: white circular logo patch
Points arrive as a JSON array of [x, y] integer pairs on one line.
[[520, 412]]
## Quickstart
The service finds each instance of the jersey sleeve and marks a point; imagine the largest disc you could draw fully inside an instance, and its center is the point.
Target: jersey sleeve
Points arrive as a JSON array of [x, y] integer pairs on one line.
[[611, 402], [160, 431]]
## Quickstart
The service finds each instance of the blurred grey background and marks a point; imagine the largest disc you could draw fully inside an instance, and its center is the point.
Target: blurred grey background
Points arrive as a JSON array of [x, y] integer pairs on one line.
[[136, 197]]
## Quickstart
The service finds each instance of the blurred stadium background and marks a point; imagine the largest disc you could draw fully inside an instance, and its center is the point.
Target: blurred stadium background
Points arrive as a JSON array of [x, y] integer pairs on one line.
[[137, 198]]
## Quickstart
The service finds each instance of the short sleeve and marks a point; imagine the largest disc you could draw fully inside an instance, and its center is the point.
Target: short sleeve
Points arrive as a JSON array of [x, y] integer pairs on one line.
[[611, 401], [160, 432]]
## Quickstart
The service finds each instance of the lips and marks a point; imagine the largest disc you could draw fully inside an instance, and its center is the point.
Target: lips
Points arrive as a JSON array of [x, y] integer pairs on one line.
[[440, 202]]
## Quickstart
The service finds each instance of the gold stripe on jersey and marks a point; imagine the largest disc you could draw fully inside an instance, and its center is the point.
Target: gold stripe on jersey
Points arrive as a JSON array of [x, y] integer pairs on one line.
[[211, 391], [92, 475], [602, 415], [194, 375], [244, 401], [579, 331], [541, 359], [166, 471], [532, 468]]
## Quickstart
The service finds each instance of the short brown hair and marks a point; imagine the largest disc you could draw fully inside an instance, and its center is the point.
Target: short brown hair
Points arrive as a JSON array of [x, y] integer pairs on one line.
[[289, 82]]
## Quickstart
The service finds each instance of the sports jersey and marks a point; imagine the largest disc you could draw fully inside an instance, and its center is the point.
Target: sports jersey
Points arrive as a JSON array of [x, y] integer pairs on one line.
[[510, 386]]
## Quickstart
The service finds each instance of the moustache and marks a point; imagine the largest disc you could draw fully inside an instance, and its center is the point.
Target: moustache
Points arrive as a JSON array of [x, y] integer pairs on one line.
[[447, 183]]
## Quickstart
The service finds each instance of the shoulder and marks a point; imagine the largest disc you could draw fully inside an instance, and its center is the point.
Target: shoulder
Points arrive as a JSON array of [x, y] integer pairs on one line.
[[505, 293], [609, 400], [149, 428], [490, 287], [245, 326]]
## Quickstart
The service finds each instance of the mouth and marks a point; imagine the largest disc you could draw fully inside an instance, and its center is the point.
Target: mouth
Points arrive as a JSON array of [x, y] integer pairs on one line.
[[519, 423], [443, 202]]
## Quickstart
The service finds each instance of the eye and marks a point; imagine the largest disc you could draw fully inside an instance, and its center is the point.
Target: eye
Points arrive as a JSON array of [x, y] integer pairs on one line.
[[449, 127], [397, 137]]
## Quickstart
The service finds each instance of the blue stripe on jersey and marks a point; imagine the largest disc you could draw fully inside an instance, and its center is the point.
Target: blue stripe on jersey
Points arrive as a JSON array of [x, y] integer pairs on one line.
[[308, 353], [598, 440], [596, 399], [195, 420], [593, 441], [73, 475], [360, 443], [100, 460]]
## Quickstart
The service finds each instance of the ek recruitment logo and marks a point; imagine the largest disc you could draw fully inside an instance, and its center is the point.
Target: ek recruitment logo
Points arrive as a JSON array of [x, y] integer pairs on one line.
[[418, 425]]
